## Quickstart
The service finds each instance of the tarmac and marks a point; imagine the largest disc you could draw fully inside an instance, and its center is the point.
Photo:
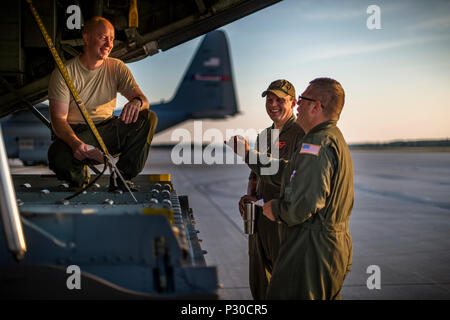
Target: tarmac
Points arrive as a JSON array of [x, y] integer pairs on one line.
[[400, 222]]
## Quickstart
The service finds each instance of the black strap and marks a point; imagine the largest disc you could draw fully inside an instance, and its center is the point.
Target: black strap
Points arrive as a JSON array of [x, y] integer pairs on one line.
[[138, 98]]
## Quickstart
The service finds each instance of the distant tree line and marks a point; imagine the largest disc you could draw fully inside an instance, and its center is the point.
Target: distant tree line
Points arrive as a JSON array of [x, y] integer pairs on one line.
[[396, 144]]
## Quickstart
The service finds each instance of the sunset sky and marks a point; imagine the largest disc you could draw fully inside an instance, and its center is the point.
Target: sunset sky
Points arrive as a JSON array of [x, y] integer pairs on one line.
[[396, 78]]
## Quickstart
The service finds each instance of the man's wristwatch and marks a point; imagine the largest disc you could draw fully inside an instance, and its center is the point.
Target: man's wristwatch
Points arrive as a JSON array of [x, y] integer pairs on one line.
[[138, 98]]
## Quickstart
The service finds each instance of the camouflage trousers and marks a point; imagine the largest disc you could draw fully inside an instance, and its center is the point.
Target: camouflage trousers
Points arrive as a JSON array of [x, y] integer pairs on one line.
[[132, 141]]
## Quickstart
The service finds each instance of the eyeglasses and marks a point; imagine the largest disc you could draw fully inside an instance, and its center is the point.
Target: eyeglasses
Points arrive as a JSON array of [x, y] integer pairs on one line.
[[300, 98]]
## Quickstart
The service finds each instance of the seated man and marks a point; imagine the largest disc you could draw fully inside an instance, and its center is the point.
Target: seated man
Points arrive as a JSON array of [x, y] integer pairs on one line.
[[97, 79]]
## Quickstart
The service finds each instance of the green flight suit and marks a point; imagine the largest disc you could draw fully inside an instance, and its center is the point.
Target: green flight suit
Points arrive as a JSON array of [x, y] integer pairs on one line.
[[315, 204], [264, 244]]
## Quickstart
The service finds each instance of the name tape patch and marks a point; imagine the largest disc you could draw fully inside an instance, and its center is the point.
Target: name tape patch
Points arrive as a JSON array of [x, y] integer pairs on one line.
[[308, 148]]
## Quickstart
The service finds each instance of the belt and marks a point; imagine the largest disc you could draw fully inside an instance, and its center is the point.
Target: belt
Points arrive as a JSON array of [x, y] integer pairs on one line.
[[323, 226]]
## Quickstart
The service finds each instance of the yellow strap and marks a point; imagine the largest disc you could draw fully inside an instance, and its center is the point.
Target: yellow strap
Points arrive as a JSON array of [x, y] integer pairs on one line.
[[66, 77], [133, 15]]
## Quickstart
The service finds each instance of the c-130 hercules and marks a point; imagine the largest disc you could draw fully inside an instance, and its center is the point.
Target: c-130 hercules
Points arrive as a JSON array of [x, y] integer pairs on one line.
[[118, 248]]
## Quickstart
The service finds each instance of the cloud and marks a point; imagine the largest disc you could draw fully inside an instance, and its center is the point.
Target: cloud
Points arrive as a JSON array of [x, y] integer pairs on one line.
[[334, 11], [352, 49], [442, 22], [332, 15]]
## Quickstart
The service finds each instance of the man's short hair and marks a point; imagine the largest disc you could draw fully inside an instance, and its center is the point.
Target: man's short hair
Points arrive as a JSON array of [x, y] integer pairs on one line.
[[331, 94], [91, 23]]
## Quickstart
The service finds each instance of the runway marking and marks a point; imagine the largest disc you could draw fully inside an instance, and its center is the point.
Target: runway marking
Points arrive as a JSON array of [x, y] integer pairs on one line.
[[203, 189], [396, 178], [404, 197]]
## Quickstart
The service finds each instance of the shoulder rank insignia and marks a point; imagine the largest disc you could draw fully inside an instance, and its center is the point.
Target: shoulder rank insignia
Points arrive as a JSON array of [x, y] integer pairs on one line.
[[308, 148]]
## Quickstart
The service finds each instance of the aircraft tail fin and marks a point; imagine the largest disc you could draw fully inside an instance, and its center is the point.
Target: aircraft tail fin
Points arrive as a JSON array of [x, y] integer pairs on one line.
[[207, 88]]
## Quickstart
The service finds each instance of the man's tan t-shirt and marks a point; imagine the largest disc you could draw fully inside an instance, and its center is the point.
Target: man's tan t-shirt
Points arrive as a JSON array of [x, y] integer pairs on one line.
[[97, 88]]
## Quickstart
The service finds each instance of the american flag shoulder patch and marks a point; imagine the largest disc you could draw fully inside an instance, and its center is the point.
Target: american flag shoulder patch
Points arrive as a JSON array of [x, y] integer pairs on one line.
[[309, 148]]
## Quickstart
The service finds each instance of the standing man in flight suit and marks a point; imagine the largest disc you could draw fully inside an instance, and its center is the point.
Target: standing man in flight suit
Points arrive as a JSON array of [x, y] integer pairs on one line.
[[315, 202], [263, 245]]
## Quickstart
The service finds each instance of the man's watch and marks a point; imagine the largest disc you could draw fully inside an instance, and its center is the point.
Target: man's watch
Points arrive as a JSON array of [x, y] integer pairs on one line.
[[138, 98]]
